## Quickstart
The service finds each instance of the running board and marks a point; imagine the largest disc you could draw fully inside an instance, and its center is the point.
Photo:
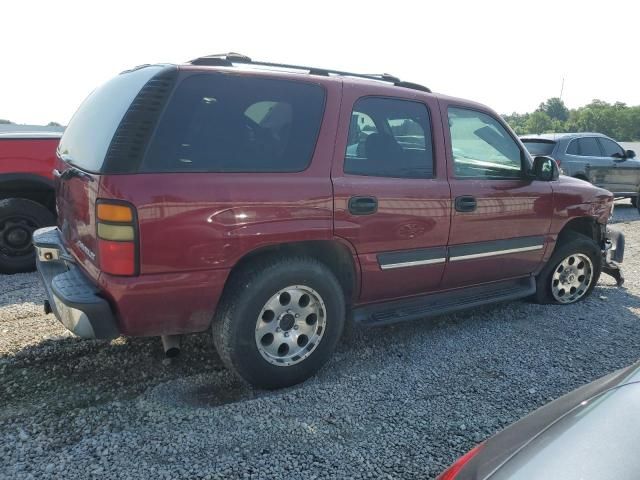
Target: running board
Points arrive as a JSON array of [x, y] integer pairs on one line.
[[444, 302]]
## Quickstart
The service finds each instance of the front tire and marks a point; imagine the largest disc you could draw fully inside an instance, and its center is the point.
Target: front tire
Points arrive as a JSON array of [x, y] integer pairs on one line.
[[279, 322], [19, 218], [571, 273]]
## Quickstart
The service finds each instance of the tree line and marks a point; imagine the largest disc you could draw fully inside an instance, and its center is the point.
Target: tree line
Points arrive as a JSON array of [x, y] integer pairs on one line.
[[617, 120]]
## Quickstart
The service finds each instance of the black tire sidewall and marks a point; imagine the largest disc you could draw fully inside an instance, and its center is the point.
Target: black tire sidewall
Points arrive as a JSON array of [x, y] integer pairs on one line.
[[36, 213], [569, 245], [240, 341]]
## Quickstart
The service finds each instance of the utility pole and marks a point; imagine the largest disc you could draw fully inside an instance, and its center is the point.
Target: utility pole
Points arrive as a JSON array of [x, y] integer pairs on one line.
[[562, 88]]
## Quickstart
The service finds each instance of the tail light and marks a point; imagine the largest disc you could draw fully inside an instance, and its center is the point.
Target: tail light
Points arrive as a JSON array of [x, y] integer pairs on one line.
[[117, 231], [452, 472]]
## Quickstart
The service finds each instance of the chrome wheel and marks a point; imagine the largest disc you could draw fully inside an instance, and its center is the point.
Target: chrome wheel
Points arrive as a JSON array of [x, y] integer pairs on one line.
[[572, 278], [290, 325]]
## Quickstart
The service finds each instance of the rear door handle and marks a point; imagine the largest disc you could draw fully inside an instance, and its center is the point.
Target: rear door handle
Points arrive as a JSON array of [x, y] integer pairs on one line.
[[465, 203], [363, 205]]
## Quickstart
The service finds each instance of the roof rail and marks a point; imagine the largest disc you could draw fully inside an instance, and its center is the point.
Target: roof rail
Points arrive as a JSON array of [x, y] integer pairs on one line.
[[231, 58]]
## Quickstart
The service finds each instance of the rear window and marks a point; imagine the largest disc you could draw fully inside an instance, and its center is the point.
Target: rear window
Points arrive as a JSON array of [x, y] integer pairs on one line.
[[229, 123], [539, 147], [89, 133]]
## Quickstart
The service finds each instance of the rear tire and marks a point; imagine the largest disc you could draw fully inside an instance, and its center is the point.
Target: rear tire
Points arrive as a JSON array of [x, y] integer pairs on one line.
[[279, 321], [634, 202], [571, 273], [19, 218]]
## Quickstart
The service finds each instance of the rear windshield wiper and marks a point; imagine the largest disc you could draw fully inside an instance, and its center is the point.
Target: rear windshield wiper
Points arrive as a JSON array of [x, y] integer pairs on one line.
[[71, 172]]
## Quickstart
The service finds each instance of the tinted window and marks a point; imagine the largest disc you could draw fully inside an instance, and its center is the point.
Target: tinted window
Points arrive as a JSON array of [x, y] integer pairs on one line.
[[229, 123], [572, 149], [539, 147], [389, 138], [481, 147], [89, 133], [588, 147], [610, 148]]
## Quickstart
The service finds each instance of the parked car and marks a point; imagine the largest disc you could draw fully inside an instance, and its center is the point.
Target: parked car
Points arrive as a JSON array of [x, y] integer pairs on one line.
[[590, 433], [593, 157], [27, 199], [225, 194]]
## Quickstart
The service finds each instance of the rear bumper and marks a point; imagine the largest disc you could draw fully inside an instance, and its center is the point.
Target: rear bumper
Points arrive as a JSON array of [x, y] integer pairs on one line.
[[73, 298]]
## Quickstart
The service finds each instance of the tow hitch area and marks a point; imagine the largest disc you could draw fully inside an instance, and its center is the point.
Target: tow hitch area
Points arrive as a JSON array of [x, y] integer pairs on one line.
[[613, 255]]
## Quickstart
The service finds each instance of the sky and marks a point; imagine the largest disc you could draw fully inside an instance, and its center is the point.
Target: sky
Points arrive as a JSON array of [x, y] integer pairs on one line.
[[510, 55]]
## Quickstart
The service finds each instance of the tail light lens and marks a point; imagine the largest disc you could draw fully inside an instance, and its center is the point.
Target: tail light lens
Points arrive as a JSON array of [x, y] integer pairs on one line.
[[117, 232], [452, 472]]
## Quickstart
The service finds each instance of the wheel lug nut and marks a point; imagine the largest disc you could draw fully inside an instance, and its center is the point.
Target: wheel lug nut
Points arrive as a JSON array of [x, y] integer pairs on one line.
[[295, 327], [277, 329], [286, 334], [297, 315]]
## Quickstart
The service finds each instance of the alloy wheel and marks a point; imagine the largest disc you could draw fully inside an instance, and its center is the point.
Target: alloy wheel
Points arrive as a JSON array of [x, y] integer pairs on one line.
[[572, 278], [290, 326]]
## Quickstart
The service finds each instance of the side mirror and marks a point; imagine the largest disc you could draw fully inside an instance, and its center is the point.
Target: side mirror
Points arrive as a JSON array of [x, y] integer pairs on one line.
[[545, 169], [630, 154]]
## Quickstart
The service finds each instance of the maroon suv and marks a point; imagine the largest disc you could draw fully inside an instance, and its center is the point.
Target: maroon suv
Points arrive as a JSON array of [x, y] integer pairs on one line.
[[270, 203]]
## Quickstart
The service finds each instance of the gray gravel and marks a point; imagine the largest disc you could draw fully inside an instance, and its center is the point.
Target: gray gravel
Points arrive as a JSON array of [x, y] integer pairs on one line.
[[395, 402]]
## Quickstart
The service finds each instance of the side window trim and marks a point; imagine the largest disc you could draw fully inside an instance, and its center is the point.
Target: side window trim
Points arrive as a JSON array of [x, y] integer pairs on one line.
[[427, 132], [524, 157]]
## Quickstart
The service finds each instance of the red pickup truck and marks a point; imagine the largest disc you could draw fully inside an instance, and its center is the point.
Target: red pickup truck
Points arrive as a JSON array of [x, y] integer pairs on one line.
[[273, 203], [27, 198]]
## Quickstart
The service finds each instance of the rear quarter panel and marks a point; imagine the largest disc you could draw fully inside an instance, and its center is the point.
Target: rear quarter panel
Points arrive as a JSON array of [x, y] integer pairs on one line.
[[199, 221]]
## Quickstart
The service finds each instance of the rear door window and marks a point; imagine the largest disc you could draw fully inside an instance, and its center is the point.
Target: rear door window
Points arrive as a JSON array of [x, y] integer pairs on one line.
[[229, 123], [572, 149], [588, 147], [389, 137]]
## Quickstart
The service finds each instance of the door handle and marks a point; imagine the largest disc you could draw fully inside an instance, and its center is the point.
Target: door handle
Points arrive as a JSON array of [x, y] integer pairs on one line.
[[363, 205], [465, 203]]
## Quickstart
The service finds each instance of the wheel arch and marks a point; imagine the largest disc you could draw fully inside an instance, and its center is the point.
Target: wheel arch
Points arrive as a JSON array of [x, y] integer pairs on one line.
[[337, 256], [30, 187], [587, 226]]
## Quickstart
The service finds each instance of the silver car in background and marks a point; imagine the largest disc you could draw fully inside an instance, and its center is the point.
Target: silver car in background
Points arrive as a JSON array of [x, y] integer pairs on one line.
[[593, 157]]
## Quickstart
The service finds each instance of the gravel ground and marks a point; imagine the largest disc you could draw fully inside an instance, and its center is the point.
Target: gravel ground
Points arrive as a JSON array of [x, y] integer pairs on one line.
[[394, 402]]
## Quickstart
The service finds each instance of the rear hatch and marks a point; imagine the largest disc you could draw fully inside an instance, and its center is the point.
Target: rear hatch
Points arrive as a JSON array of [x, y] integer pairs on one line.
[[539, 146], [96, 143]]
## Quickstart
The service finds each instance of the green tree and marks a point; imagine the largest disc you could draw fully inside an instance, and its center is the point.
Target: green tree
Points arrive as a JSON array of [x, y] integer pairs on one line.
[[555, 108], [518, 122], [5, 122], [617, 120], [539, 122], [53, 124]]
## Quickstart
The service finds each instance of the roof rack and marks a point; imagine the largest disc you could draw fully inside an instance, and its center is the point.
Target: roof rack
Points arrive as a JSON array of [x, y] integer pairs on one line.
[[231, 58]]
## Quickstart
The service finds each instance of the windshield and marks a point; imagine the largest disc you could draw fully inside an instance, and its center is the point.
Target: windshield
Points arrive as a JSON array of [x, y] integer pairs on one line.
[[89, 133], [539, 147]]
